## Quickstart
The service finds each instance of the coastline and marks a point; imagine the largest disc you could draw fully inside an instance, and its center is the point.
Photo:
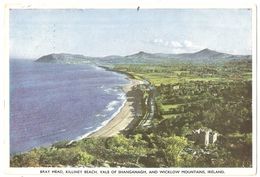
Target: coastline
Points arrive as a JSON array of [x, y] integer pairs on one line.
[[121, 120], [124, 117]]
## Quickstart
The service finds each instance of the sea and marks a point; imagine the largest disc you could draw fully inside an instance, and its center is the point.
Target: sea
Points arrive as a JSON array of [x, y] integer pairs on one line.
[[60, 102]]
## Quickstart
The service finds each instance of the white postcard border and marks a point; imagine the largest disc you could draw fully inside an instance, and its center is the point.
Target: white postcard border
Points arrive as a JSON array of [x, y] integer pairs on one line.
[[120, 4]]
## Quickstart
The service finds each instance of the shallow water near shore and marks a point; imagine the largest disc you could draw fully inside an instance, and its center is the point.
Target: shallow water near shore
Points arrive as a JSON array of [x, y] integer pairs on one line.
[[56, 102]]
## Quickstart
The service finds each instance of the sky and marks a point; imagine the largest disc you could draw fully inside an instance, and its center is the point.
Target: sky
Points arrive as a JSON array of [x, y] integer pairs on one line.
[[103, 32]]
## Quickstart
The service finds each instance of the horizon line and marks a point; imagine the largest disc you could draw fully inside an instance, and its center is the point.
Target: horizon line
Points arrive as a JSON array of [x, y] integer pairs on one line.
[[29, 58]]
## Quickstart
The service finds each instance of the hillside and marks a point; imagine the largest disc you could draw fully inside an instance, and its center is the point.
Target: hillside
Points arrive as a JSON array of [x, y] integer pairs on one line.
[[63, 58], [203, 56]]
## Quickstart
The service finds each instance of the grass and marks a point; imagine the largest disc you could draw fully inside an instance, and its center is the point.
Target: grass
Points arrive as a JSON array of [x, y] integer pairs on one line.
[[136, 76], [160, 78], [170, 106], [203, 79], [169, 116], [173, 75], [180, 72], [170, 78], [247, 75]]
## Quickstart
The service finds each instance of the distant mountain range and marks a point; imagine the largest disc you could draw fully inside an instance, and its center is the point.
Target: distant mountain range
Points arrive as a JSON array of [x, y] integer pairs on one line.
[[203, 56]]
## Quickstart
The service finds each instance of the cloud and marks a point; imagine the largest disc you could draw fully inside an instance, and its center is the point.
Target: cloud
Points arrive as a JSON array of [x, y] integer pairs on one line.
[[166, 43], [159, 41], [177, 46], [188, 43]]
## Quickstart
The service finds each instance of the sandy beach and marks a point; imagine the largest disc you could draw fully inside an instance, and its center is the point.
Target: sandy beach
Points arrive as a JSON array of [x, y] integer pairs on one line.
[[126, 115]]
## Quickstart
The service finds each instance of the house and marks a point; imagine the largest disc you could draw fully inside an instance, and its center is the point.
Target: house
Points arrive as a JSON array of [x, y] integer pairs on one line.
[[204, 136]]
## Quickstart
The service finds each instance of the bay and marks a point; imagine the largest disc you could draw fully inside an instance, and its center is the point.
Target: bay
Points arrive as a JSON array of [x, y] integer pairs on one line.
[[57, 102]]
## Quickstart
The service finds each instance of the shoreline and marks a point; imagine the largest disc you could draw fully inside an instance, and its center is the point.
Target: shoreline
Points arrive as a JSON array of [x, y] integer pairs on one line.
[[123, 118], [119, 121]]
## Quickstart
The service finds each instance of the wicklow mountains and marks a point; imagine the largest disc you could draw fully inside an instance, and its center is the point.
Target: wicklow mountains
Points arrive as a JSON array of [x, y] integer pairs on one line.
[[206, 56]]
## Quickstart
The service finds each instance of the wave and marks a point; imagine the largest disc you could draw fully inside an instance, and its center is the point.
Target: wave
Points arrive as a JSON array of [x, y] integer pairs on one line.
[[111, 106], [100, 115], [110, 90], [108, 109], [121, 96], [104, 123], [87, 128]]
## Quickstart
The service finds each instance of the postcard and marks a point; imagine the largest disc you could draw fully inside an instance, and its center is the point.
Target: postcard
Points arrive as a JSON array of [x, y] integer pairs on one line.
[[130, 89]]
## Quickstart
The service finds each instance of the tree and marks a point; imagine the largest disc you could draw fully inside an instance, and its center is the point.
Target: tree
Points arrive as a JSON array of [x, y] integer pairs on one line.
[[127, 149], [174, 146], [84, 158]]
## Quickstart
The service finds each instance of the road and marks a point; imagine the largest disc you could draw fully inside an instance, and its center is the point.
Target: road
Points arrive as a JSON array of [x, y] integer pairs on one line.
[[150, 107]]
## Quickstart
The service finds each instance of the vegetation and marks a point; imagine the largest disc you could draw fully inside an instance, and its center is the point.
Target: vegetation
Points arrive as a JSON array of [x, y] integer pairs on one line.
[[188, 98]]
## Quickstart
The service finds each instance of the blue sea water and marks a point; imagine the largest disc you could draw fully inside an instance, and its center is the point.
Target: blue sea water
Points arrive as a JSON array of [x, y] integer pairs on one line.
[[56, 102]]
